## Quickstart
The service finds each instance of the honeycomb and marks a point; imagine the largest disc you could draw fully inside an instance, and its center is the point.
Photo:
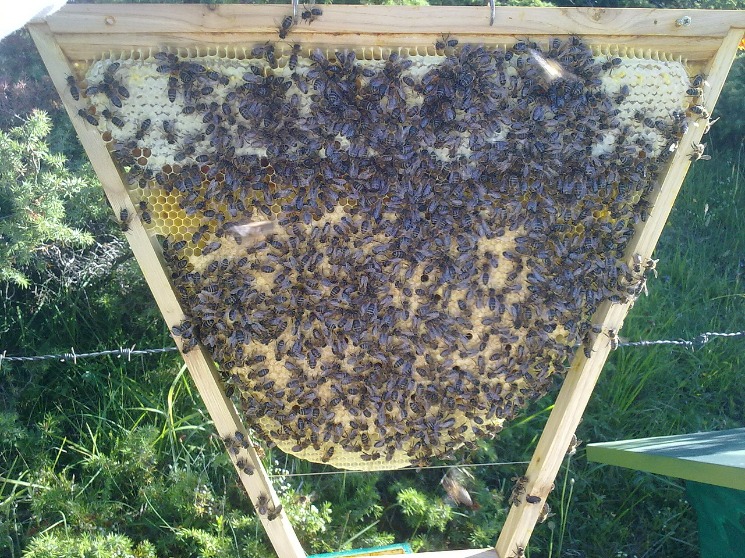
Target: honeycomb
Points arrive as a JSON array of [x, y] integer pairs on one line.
[[443, 223]]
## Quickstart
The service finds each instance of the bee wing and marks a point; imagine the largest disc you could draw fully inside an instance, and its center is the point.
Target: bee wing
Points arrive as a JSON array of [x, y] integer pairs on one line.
[[551, 68], [253, 230]]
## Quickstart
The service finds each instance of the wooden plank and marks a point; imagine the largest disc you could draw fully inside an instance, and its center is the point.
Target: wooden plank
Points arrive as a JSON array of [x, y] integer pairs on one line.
[[234, 18], [85, 31], [716, 458], [80, 47], [149, 257], [584, 372]]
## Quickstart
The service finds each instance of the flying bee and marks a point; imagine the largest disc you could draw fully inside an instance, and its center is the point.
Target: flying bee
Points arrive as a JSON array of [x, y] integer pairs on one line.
[[698, 152], [452, 483], [285, 26], [88, 117], [255, 230], [74, 91]]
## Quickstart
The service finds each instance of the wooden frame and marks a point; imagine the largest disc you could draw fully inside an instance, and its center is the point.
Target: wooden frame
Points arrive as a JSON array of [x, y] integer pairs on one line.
[[706, 40]]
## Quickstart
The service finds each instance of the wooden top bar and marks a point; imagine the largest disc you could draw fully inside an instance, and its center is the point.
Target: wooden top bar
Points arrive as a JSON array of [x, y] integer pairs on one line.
[[716, 458], [84, 31]]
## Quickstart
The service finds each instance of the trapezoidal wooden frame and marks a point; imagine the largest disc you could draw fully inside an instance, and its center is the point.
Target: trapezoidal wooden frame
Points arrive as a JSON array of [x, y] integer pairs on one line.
[[706, 40]]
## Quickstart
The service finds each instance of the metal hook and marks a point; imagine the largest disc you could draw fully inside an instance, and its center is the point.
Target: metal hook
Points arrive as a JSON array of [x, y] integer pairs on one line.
[[493, 7], [294, 10]]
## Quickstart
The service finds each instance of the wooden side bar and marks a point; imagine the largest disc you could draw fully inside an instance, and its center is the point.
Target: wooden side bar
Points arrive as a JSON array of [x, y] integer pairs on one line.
[[149, 257], [84, 31]]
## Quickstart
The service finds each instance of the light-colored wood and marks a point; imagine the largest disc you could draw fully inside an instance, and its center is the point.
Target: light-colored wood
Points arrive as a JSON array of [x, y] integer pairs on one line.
[[84, 31], [149, 257], [584, 372]]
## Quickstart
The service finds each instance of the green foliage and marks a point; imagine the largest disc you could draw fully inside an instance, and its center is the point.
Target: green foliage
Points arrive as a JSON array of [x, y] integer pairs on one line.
[[730, 129], [420, 510], [51, 545], [35, 188]]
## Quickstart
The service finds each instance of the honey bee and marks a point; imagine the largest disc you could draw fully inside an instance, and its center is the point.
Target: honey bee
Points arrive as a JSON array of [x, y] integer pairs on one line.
[[172, 86], [310, 14], [124, 219], [115, 120], [613, 338], [455, 489], [518, 490], [170, 132], [274, 513], [285, 26], [74, 91], [262, 504], [610, 63], [144, 212], [545, 513], [445, 42], [700, 111], [245, 467], [573, 445], [698, 152], [85, 115]]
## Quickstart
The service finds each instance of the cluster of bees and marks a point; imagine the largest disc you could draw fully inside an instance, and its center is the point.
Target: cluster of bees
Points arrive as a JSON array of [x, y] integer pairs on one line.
[[443, 226]]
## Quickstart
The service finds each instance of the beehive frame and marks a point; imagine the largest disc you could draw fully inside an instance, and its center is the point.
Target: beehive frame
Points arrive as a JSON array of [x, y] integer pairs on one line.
[[707, 40]]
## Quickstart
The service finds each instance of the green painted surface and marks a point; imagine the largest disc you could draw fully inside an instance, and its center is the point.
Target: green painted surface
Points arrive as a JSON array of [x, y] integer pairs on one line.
[[715, 458], [721, 519]]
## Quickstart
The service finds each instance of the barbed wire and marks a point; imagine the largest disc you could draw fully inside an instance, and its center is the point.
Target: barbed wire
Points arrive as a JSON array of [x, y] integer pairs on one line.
[[73, 356]]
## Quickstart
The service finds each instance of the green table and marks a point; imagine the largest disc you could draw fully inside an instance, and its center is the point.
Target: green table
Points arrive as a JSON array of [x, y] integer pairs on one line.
[[713, 466]]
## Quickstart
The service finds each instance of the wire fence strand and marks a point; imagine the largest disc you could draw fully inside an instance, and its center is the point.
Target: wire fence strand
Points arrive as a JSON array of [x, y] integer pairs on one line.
[[73, 356], [355, 472]]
